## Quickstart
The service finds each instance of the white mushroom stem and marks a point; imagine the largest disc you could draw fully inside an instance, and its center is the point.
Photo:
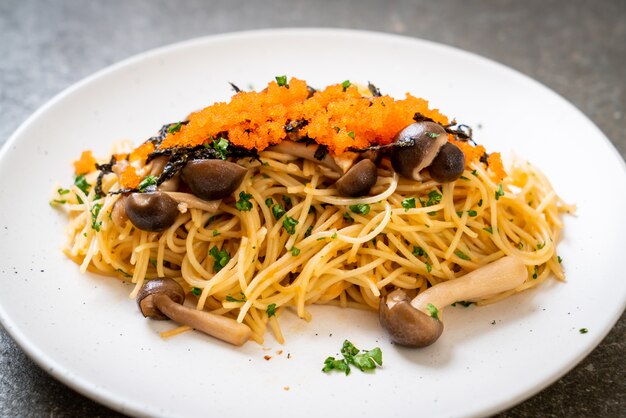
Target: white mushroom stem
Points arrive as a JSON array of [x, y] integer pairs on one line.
[[499, 276], [194, 202], [225, 329], [306, 151]]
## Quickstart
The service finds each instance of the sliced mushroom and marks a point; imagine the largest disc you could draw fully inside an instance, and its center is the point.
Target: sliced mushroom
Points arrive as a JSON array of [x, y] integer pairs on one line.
[[162, 298], [118, 213], [153, 212], [412, 323], [420, 142], [306, 151], [212, 179], [358, 180], [448, 165]]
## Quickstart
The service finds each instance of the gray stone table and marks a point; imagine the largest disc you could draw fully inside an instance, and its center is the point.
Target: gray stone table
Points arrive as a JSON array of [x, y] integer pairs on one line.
[[577, 48]]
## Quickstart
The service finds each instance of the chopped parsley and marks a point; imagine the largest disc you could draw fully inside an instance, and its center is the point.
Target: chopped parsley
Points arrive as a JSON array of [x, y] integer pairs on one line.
[[364, 360], [124, 273], [147, 183], [418, 251], [288, 204], [278, 211], [221, 258], [153, 262], [462, 255], [499, 192], [351, 134], [429, 268], [559, 259], [434, 197], [244, 204], [221, 146], [271, 310], [474, 172], [229, 298], [95, 210], [290, 225], [480, 203], [541, 245], [346, 84], [295, 251], [281, 80], [361, 208], [82, 184], [583, 330], [196, 291], [535, 272], [433, 311], [333, 236], [269, 202], [62, 191], [308, 231], [347, 217], [463, 178], [408, 203], [472, 213], [488, 229], [175, 127], [216, 232]]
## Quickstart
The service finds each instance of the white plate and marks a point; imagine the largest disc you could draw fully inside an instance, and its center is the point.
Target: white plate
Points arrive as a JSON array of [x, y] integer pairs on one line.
[[87, 333]]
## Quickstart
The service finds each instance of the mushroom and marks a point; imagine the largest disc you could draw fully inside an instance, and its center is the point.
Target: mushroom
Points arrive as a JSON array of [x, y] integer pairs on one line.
[[154, 211], [358, 180], [162, 298], [118, 213], [212, 179], [417, 146], [414, 323], [306, 151], [448, 165]]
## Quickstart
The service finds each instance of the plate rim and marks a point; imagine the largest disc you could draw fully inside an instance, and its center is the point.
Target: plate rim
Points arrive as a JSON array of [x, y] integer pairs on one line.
[[110, 399]]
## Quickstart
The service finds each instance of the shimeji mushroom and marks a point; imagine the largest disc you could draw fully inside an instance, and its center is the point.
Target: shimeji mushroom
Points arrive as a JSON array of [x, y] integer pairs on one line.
[[162, 299], [415, 323]]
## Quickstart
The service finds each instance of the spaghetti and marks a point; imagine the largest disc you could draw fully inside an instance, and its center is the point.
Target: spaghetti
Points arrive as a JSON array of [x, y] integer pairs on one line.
[[285, 239]]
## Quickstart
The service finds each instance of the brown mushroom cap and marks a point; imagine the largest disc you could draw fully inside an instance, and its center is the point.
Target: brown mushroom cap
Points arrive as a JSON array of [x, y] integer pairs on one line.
[[160, 286], [153, 212], [426, 139], [448, 165], [358, 180], [405, 324], [212, 179]]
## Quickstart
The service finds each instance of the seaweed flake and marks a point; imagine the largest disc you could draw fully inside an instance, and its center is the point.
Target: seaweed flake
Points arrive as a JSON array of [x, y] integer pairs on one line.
[[373, 89], [104, 169]]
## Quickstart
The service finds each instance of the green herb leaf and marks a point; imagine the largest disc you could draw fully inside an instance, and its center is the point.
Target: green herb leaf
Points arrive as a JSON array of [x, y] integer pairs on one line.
[[62, 191], [559, 259], [290, 225], [244, 204], [499, 192], [308, 231], [351, 134], [418, 251], [583, 330], [124, 273], [360, 208], [175, 127], [474, 172], [153, 262], [472, 213], [95, 210], [147, 183], [535, 272], [462, 255], [221, 258], [540, 246], [229, 298], [369, 359], [346, 84], [295, 251], [347, 217], [488, 229], [269, 202], [433, 311], [288, 204], [333, 236], [429, 268], [281, 80], [480, 203], [196, 291], [221, 146], [408, 203], [271, 310], [333, 364], [278, 211], [463, 178], [434, 198], [216, 232], [82, 184]]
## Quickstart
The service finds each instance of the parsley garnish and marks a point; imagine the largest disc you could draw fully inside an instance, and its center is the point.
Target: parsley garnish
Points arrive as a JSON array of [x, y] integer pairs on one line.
[[366, 360], [434, 198], [559, 259], [408, 203], [290, 225], [535, 272], [175, 127], [269, 202], [463, 178], [488, 229], [95, 210], [278, 211], [474, 172], [433, 311], [221, 258], [82, 184], [244, 204], [229, 298], [308, 231], [480, 203], [333, 236], [541, 245], [216, 232], [346, 84], [583, 330], [351, 134], [472, 213], [462, 255], [347, 217], [62, 191], [288, 204], [271, 310], [153, 262], [147, 183], [281, 80], [295, 251], [221, 146], [361, 208], [429, 268], [499, 192], [124, 273], [418, 251], [196, 291]]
